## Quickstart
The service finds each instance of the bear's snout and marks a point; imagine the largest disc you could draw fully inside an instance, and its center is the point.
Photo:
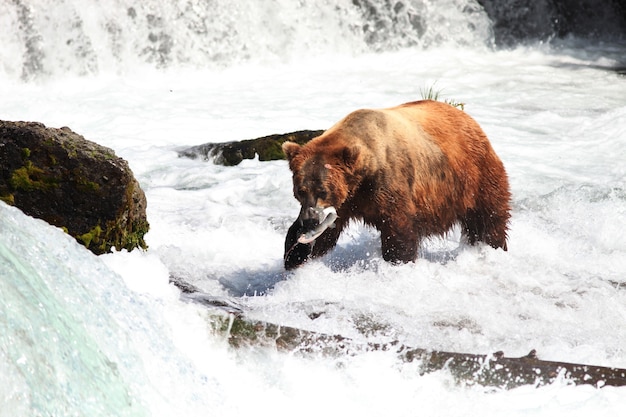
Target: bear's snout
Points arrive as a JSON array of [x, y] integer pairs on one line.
[[306, 225], [309, 217]]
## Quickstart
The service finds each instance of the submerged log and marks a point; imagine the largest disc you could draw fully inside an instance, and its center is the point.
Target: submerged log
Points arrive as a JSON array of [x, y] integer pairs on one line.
[[268, 148], [493, 370], [499, 371]]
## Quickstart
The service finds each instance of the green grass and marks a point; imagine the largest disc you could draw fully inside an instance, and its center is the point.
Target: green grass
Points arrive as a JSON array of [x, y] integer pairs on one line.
[[431, 93]]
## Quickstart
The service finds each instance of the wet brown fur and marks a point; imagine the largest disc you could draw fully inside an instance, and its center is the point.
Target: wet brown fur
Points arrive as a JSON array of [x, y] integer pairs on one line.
[[410, 171]]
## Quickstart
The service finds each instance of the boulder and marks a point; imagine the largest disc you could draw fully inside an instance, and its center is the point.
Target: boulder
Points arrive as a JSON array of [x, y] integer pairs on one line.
[[60, 177], [268, 148]]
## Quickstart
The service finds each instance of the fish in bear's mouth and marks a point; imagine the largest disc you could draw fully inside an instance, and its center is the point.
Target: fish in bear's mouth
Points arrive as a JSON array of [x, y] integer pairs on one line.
[[327, 217]]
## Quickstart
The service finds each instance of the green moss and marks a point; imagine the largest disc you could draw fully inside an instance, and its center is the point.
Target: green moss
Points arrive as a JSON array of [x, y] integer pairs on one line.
[[93, 236], [272, 152], [25, 153], [20, 179], [119, 233], [85, 185], [133, 238], [8, 198], [71, 148], [100, 239], [30, 178]]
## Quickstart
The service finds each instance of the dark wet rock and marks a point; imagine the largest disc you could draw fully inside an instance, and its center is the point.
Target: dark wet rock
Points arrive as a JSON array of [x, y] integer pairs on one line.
[[268, 148], [490, 370], [516, 21], [60, 177]]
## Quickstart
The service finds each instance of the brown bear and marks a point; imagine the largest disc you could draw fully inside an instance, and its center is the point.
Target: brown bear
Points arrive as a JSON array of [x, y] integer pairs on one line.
[[410, 171]]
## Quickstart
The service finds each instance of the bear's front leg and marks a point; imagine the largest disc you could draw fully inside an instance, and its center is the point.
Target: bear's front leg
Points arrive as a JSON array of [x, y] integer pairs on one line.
[[398, 246], [296, 253], [328, 239]]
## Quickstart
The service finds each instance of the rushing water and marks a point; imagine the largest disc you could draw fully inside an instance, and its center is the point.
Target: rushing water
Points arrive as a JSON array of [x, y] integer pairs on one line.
[[85, 335]]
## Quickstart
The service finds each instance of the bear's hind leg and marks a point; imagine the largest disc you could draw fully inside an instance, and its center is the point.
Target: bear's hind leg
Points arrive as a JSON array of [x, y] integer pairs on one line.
[[398, 247], [487, 226]]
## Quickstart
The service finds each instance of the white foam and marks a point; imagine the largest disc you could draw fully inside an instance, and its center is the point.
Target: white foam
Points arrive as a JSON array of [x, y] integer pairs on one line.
[[557, 289]]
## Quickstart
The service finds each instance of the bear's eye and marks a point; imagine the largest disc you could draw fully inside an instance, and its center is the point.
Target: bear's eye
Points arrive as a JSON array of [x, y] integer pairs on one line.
[[301, 193]]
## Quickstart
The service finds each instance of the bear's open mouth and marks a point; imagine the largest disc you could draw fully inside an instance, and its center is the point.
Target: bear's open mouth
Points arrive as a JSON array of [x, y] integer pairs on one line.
[[327, 218]]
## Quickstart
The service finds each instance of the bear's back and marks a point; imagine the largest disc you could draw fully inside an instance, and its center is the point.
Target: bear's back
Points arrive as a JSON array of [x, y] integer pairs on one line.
[[424, 140], [437, 122], [382, 131], [455, 132]]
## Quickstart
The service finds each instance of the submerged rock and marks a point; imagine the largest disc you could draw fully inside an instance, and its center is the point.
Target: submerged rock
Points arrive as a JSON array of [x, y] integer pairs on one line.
[[268, 148], [228, 319], [60, 177]]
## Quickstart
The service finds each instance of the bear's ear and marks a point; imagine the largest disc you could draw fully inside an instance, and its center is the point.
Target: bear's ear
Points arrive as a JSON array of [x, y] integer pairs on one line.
[[290, 149]]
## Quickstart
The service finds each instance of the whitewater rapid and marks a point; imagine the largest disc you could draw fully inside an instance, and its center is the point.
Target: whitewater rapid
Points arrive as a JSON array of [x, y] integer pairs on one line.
[[556, 117]]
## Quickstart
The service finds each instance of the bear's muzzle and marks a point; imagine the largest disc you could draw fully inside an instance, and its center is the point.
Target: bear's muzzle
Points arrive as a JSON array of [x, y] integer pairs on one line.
[[326, 218]]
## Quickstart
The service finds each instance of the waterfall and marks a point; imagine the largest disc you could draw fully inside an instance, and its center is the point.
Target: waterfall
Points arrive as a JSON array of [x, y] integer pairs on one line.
[[81, 37]]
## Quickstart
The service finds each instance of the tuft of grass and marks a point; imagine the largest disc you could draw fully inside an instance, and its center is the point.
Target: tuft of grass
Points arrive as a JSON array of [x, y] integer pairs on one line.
[[430, 93]]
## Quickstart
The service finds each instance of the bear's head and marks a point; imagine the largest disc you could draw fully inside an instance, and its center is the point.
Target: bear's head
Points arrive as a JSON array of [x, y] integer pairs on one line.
[[323, 179], [322, 176]]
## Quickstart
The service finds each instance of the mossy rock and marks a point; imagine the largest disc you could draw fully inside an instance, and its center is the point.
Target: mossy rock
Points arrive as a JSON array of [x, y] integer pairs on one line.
[[268, 148], [70, 182]]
